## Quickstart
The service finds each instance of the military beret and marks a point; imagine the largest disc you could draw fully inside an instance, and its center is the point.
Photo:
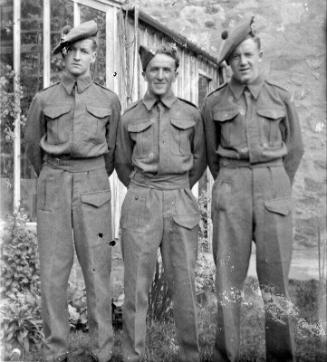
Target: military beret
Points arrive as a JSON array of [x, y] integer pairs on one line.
[[146, 54], [71, 35], [235, 38]]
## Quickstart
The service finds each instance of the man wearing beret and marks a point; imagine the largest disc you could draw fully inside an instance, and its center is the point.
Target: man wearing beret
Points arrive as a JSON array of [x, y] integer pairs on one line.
[[71, 136], [160, 155], [254, 148]]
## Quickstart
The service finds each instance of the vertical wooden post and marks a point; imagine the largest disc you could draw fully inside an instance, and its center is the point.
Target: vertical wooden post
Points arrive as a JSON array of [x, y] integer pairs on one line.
[[17, 150], [46, 43], [77, 14]]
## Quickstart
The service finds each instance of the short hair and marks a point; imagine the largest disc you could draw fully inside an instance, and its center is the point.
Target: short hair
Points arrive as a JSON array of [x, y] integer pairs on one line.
[[170, 50]]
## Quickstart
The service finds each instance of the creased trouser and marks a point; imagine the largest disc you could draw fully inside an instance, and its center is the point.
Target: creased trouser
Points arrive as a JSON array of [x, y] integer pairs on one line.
[[252, 204], [165, 219], [74, 212]]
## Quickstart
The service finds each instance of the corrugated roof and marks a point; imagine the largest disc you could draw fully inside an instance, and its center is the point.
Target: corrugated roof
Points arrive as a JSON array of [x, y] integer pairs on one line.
[[179, 39]]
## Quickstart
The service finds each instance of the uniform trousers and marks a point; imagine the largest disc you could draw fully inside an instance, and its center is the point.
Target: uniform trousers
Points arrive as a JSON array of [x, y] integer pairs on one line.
[[73, 212], [154, 218], [252, 203]]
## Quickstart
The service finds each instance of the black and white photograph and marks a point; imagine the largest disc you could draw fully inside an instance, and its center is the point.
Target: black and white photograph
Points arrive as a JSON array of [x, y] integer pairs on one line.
[[163, 193]]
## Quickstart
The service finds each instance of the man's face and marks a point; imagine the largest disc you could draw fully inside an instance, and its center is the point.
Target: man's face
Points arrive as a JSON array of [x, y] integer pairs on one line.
[[245, 60], [79, 57], [160, 74]]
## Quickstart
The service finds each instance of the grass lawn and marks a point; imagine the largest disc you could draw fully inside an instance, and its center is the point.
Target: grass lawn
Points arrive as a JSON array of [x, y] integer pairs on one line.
[[162, 345]]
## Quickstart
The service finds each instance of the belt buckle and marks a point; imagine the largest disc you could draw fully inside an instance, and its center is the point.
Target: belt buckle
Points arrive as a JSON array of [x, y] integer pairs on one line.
[[57, 160]]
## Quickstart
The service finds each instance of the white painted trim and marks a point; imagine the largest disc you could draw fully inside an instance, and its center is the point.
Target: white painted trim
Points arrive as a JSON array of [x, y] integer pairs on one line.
[[46, 43], [101, 5], [77, 13], [17, 63]]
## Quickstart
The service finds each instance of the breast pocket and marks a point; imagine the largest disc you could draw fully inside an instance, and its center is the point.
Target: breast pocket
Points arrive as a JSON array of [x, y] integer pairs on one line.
[[232, 132], [181, 132], [269, 120], [142, 134], [57, 123], [96, 119]]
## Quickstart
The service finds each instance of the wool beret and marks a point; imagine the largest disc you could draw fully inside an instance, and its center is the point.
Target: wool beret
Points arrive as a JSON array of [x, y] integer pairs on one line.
[[71, 35], [233, 39]]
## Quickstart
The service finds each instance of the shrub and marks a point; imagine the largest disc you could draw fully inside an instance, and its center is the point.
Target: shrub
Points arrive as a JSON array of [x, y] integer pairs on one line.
[[20, 287]]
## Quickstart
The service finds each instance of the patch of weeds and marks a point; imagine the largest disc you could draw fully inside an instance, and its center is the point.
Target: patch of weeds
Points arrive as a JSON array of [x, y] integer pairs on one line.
[[161, 344]]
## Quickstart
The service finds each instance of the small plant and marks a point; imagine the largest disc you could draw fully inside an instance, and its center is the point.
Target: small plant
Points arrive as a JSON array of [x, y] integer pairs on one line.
[[21, 324], [160, 303]]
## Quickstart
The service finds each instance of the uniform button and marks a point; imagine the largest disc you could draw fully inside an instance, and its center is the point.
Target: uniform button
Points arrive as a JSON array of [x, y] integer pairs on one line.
[[136, 197]]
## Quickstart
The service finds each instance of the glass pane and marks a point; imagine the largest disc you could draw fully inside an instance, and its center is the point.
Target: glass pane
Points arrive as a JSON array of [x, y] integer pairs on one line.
[[62, 14], [99, 70]]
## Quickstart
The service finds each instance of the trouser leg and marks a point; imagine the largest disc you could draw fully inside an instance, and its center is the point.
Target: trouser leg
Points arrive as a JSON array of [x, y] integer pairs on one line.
[[179, 252], [232, 237], [92, 234], [141, 223], [56, 252], [273, 236]]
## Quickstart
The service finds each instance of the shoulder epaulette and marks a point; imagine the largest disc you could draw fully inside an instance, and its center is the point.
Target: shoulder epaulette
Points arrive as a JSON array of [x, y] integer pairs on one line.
[[50, 86], [275, 84], [188, 102], [217, 89], [103, 87], [131, 106]]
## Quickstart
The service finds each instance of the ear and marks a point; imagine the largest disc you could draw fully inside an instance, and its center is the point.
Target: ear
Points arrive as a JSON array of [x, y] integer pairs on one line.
[[176, 75], [260, 55], [93, 57]]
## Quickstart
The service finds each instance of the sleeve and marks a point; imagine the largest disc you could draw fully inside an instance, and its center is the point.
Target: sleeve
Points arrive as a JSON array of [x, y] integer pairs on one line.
[[199, 152], [111, 134], [35, 129], [211, 137], [123, 153], [293, 140]]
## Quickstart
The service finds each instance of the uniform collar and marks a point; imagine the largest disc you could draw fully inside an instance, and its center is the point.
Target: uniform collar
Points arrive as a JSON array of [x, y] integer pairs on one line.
[[238, 88], [168, 99], [69, 81]]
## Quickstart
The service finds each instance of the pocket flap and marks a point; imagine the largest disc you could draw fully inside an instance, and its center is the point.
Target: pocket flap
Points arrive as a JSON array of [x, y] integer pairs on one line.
[[282, 206], [96, 199], [273, 113], [224, 115], [183, 123], [98, 112], [55, 111], [187, 221], [140, 126]]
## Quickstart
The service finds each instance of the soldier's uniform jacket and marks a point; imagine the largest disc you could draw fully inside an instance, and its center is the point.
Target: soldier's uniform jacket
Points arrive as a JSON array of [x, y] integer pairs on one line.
[[162, 139], [259, 129], [73, 118]]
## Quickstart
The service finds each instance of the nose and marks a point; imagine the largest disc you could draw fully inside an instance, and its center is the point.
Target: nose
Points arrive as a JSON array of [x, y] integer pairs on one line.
[[77, 54], [242, 59], [160, 74]]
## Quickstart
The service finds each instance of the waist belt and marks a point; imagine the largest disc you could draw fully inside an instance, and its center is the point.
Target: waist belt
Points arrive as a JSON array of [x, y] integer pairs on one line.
[[75, 164], [232, 163], [160, 182]]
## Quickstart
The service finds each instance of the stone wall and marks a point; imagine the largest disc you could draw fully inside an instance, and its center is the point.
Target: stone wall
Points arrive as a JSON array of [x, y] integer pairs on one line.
[[293, 34]]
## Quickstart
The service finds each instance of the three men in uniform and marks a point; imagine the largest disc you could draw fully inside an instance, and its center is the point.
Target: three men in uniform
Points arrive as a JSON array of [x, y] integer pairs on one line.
[[252, 141]]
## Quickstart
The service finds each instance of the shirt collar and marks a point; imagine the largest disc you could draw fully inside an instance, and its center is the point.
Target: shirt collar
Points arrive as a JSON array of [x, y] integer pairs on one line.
[[238, 88], [69, 81], [150, 100]]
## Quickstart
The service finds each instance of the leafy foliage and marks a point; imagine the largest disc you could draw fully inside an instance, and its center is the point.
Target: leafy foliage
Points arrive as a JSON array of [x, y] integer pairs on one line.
[[21, 321]]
